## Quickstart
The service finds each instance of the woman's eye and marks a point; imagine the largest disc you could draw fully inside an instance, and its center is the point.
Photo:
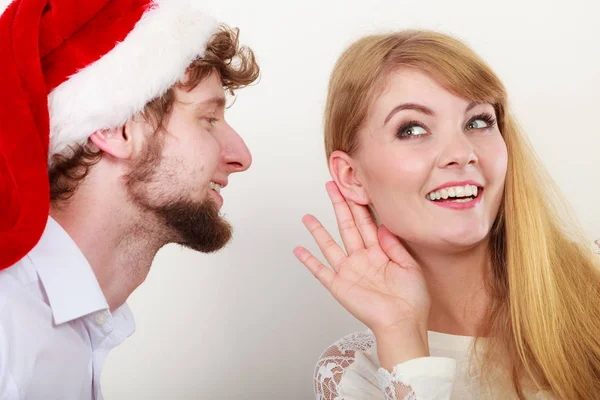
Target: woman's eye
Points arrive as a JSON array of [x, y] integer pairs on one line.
[[477, 124], [411, 131], [481, 121]]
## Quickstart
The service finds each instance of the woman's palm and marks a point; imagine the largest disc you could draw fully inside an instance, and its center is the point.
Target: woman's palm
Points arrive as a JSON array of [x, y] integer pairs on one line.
[[377, 280]]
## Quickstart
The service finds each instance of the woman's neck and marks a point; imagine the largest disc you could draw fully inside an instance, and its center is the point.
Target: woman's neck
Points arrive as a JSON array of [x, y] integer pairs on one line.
[[457, 287]]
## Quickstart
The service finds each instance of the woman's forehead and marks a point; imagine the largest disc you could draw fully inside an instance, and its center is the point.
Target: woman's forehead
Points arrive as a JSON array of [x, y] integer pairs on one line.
[[410, 86]]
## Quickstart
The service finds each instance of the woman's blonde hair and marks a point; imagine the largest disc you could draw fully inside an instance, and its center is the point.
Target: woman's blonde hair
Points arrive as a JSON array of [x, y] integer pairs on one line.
[[544, 283]]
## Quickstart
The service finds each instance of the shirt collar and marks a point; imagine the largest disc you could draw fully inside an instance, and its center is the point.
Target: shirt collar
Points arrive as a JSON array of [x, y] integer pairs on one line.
[[68, 279]]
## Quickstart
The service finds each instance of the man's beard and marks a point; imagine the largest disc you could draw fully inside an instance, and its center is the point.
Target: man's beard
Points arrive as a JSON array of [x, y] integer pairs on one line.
[[196, 225]]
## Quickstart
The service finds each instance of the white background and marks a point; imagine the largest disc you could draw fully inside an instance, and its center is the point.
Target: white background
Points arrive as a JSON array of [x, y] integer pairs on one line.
[[250, 321]]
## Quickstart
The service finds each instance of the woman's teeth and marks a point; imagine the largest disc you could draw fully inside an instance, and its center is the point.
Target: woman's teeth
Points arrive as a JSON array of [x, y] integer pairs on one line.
[[460, 193], [215, 186]]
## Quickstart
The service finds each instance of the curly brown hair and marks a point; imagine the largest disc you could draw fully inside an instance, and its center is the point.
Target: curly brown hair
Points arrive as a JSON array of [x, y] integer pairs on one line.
[[237, 68]]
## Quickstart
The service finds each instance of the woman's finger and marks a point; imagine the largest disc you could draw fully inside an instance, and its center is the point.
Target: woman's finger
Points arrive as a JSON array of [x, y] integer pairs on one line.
[[330, 249], [365, 223], [348, 231], [316, 267], [394, 249]]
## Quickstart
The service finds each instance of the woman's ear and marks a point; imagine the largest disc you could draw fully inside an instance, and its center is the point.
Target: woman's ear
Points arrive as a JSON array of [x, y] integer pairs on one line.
[[344, 172]]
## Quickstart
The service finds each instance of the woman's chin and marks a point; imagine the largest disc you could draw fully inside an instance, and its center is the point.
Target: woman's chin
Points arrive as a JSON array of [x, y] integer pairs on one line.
[[465, 243], [453, 243]]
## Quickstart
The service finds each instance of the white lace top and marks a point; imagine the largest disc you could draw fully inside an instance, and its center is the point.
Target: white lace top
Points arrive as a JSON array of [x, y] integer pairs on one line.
[[350, 370]]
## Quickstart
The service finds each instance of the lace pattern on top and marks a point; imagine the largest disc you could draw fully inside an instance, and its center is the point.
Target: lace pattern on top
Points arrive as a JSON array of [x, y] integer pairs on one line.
[[337, 358], [393, 388]]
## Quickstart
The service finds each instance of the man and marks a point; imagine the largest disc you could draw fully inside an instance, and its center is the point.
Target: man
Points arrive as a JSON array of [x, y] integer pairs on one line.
[[113, 143]]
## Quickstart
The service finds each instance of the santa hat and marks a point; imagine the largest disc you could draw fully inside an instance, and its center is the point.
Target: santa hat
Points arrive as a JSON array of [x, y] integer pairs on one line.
[[69, 68]]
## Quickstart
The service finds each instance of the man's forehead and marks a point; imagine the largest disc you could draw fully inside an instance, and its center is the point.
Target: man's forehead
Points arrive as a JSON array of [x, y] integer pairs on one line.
[[208, 92]]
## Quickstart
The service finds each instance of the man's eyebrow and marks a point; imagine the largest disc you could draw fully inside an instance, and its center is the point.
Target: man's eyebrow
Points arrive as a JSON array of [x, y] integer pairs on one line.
[[218, 101]]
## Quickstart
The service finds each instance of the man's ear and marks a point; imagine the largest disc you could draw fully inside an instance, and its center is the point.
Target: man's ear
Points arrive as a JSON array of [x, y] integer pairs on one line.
[[344, 172], [122, 142], [114, 141]]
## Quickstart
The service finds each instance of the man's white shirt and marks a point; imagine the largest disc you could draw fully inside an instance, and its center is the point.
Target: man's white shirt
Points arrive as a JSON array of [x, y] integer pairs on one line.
[[55, 326]]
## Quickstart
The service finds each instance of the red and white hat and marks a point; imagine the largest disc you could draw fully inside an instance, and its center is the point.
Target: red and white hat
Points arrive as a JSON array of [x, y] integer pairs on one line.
[[69, 68]]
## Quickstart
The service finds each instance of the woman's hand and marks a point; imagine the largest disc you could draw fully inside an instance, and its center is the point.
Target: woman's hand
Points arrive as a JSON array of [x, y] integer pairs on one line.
[[377, 281]]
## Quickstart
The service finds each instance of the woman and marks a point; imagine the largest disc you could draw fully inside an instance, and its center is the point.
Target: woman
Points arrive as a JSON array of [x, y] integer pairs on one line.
[[460, 258]]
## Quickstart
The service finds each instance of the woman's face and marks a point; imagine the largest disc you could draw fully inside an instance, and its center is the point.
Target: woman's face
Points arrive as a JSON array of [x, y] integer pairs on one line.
[[432, 165]]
